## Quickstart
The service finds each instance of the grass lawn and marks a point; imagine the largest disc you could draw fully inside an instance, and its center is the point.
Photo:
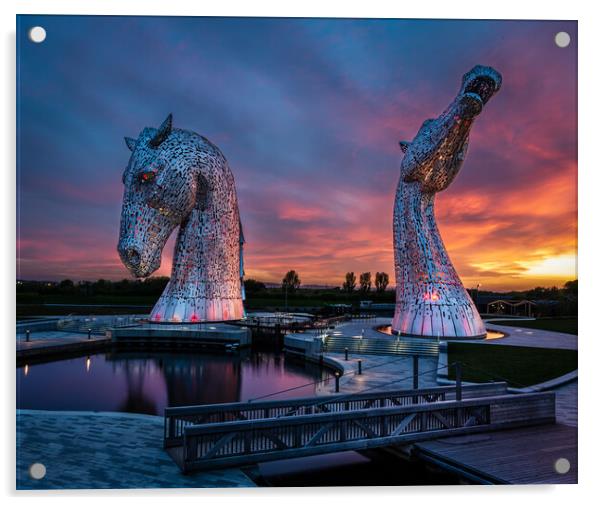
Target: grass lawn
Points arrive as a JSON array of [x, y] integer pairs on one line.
[[519, 366], [561, 324]]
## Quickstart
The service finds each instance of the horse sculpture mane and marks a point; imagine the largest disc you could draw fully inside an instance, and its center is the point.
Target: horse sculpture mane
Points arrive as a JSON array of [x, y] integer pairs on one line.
[[178, 178], [430, 298]]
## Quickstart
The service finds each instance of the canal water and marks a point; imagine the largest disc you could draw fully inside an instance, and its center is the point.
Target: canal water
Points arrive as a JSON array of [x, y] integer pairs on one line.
[[147, 382]]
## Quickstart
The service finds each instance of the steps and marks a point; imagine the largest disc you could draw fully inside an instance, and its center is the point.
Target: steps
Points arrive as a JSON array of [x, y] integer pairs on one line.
[[382, 346]]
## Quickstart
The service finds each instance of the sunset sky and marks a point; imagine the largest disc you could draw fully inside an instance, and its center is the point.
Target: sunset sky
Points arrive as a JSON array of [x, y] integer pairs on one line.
[[309, 114]]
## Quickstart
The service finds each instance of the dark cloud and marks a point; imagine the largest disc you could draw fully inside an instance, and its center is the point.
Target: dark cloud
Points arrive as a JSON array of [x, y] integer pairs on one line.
[[309, 113]]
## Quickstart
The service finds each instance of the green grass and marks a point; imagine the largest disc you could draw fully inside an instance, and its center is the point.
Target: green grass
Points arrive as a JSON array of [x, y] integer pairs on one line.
[[519, 366], [560, 324]]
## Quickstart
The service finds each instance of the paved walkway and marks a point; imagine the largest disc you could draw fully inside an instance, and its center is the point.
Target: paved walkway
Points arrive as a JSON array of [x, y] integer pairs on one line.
[[380, 373], [84, 450], [525, 337], [54, 338], [528, 337]]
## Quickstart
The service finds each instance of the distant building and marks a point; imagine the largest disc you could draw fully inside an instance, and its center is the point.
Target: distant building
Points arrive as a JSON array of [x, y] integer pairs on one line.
[[512, 307]]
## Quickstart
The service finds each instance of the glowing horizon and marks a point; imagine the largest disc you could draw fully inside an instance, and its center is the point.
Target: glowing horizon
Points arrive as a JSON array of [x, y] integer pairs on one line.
[[310, 126]]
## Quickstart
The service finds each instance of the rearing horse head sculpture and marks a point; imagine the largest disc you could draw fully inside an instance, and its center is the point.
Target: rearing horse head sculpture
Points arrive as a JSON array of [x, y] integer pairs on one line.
[[178, 178], [430, 298]]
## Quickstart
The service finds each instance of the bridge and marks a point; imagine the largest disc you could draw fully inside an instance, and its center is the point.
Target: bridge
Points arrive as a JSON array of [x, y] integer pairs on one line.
[[236, 434]]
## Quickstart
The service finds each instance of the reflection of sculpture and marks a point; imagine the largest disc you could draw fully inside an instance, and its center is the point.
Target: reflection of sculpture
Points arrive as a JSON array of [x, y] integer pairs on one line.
[[430, 298], [137, 400], [194, 380], [187, 379], [178, 178]]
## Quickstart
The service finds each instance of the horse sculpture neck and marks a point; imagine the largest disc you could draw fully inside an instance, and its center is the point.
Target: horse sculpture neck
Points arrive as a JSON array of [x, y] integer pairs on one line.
[[431, 300], [206, 278]]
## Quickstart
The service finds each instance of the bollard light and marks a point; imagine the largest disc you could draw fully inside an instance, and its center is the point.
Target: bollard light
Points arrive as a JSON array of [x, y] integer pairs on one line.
[[337, 378], [26, 335], [346, 354], [89, 333], [359, 367]]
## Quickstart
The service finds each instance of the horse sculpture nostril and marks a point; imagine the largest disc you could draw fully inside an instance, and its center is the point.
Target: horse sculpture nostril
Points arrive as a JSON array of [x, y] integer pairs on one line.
[[133, 256]]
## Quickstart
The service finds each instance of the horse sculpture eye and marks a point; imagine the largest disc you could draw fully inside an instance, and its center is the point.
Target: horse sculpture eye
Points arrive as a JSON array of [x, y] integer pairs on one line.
[[148, 176]]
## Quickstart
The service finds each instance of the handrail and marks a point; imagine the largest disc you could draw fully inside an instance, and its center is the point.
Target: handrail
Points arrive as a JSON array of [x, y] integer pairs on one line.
[[308, 400], [177, 419], [258, 424], [244, 442]]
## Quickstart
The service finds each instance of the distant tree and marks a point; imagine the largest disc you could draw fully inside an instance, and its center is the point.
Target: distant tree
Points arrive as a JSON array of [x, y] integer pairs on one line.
[[291, 281], [349, 284], [66, 286], [571, 288], [365, 282], [381, 281], [101, 286], [151, 286], [252, 286]]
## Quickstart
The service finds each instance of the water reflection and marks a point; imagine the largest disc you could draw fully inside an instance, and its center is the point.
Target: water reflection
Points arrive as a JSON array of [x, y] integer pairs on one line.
[[147, 382]]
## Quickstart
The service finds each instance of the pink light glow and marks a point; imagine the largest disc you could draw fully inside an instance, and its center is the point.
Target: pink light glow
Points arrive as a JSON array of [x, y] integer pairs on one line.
[[433, 297]]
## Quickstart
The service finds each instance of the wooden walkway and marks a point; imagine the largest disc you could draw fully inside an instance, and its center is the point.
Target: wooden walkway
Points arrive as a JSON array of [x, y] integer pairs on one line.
[[218, 436], [516, 456]]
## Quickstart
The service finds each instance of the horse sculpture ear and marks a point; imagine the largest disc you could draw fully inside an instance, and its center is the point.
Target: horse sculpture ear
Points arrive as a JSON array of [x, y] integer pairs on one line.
[[162, 133], [404, 144], [130, 142]]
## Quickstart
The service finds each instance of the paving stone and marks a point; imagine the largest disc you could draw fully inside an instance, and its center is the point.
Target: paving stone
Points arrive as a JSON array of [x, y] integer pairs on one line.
[[75, 460]]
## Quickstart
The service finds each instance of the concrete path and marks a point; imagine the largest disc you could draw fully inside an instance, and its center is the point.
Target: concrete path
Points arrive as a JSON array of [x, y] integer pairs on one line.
[[528, 337], [84, 450], [380, 373], [55, 338], [525, 337]]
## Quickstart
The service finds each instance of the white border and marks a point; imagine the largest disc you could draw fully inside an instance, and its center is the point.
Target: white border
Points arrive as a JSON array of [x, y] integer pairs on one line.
[[590, 243]]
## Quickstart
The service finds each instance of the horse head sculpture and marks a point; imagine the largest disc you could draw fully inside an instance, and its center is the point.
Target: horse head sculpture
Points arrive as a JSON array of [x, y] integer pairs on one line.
[[177, 178], [430, 298]]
